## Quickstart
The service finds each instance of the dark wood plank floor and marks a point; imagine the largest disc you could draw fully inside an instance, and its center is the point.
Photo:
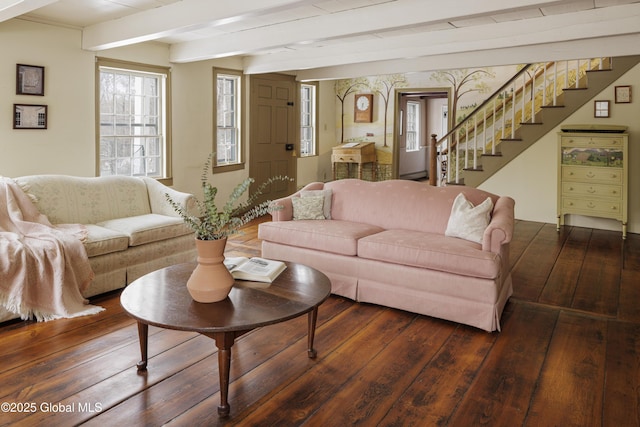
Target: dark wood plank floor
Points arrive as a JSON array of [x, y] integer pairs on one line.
[[568, 355]]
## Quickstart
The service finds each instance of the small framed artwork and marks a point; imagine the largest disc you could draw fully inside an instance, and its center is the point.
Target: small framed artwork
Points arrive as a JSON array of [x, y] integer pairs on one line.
[[600, 108], [27, 116], [29, 80], [623, 94]]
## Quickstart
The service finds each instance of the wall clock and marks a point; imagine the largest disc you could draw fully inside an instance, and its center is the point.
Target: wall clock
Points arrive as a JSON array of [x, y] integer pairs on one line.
[[363, 108], [623, 94]]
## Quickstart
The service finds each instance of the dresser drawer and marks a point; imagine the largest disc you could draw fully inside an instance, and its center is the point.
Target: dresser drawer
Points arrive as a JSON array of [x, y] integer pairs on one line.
[[602, 208], [346, 158], [592, 174], [579, 189], [348, 151], [591, 141]]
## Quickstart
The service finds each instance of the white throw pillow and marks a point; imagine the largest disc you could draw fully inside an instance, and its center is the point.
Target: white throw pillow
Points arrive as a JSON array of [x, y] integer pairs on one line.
[[308, 207], [469, 222], [327, 193]]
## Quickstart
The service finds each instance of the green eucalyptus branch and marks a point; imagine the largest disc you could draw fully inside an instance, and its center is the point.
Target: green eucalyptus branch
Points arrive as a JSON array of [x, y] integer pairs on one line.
[[211, 223]]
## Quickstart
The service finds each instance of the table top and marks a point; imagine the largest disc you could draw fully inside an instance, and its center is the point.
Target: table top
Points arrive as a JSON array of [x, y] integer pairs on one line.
[[161, 299]]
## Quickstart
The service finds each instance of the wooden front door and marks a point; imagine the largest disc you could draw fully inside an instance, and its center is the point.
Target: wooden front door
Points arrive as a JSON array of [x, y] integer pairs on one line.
[[273, 132]]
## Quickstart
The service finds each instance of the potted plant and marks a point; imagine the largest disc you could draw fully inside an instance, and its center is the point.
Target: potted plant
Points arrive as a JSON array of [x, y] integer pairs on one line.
[[210, 280]]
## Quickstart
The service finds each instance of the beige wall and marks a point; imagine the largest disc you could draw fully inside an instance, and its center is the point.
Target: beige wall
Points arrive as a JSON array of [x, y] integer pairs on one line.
[[193, 126], [67, 146]]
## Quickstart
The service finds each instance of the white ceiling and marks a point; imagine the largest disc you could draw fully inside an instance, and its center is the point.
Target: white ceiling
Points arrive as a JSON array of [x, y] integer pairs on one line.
[[319, 39]]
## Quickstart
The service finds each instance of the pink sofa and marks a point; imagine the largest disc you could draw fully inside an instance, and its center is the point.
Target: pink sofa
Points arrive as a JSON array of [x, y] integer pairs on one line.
[[385, 244]]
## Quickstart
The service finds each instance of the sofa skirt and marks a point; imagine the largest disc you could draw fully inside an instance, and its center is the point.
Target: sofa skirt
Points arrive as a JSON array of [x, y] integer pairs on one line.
[[468, 300]]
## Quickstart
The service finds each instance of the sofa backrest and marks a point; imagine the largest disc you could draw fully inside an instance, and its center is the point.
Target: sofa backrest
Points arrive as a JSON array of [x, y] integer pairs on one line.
[[399, 204], [78, 200]]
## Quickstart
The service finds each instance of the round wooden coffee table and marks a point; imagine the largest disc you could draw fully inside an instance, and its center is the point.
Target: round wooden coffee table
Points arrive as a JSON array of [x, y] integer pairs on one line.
[[161, 299]]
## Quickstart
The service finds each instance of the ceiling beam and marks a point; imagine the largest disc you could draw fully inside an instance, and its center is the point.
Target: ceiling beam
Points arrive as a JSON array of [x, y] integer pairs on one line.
[[175, 18], [10, 9], [587, 24], [375, 18], [625, 45]]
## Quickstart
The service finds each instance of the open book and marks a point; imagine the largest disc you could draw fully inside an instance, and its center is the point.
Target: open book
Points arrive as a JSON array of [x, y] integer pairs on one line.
[[255, 269]]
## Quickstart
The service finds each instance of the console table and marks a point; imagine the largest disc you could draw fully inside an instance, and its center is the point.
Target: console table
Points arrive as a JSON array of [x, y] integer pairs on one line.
[[354, 152]]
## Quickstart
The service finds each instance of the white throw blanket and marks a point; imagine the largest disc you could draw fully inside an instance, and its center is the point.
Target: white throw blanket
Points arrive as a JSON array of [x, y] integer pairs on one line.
[[43, 268]]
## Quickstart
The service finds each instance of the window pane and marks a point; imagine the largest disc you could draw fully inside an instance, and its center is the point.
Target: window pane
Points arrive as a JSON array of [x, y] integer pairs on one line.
[[412, 141], [107, 125]]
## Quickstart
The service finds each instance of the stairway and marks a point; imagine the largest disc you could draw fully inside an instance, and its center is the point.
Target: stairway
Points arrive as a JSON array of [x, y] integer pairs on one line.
[[477, 162]]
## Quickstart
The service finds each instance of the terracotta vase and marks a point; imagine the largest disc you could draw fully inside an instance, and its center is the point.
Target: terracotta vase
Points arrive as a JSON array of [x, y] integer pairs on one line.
[[210, 281]]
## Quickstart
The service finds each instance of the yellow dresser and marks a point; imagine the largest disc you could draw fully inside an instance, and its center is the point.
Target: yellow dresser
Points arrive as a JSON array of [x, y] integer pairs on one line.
[[592, 172]]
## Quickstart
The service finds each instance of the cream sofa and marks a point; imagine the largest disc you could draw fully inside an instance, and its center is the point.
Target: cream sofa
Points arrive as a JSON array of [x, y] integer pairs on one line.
[[132, 230], [385, 243]]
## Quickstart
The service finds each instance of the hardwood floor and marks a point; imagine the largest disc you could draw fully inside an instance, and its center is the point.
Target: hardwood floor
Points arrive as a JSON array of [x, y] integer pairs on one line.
[[568, 355]]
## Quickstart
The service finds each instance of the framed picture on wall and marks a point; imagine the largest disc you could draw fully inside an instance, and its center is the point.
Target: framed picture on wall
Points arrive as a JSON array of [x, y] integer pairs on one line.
[[623, 94], [26, 116], [29, 80], [600, 108]]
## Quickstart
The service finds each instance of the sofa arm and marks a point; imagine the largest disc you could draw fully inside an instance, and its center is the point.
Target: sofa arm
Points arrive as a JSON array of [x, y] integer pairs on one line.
[[284, 212], [281, 209], [500, 228], [158, 200]]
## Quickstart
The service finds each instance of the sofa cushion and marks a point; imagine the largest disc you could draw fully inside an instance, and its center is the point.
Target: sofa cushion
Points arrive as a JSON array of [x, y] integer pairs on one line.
[[308, 207], [340, 237], [327, 194], [101, 241], [431, 251], [148, 228], [468, 221]]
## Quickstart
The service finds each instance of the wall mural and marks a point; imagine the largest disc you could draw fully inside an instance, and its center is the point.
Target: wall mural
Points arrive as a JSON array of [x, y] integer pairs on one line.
[[384, 86], [343, 89], [469, 88]]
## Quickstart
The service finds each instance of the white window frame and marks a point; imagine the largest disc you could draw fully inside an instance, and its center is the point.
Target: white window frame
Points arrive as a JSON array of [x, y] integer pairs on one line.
[[412, 141], [308, 119], [144, 123], [228, 119]]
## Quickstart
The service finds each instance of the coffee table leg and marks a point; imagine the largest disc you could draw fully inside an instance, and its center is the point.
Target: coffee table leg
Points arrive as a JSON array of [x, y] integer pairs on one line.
[[143, 337], [224, 342], [313, 317]]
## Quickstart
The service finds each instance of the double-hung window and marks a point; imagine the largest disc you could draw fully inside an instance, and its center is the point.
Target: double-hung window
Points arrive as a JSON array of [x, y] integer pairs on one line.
[[307, 120], [133, 117], [228, 145], [413, 126]]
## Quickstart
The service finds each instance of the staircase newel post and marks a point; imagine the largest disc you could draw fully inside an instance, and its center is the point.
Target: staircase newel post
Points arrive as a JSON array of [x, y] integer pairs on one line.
[[433, 162]]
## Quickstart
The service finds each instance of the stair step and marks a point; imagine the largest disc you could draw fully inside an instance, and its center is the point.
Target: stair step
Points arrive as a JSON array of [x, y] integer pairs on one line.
[[476, 169], [510, 139], [491, 155], [567, 89], [552, 106], [529, 123]]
